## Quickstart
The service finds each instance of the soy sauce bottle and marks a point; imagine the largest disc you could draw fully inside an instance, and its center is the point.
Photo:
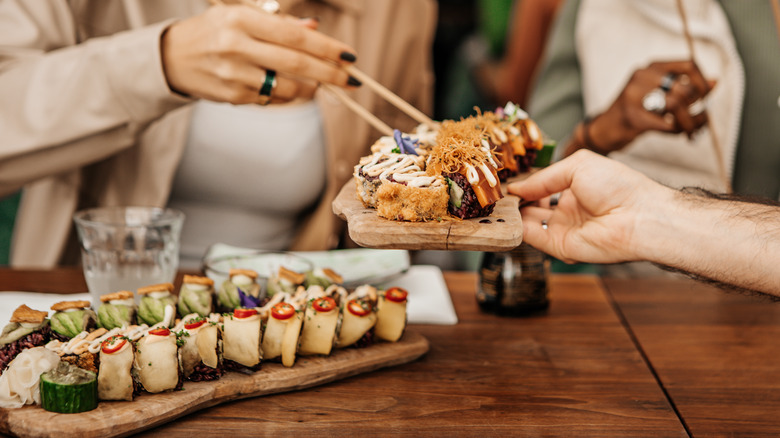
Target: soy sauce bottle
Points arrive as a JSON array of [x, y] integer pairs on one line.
[[514, 283]]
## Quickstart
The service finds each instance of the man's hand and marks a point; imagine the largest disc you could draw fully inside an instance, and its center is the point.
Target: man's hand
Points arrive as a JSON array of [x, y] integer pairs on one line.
[[601, 205]]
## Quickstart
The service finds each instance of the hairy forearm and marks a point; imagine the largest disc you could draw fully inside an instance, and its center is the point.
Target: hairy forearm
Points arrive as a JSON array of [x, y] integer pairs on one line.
[[727, 239]]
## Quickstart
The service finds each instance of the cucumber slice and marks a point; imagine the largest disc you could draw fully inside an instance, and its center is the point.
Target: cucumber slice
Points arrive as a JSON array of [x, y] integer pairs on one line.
[[69, 389], [456, 193]]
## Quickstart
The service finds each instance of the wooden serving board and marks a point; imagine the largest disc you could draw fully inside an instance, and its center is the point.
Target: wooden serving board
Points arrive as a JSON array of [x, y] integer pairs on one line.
[[149, 410], [501, 231]]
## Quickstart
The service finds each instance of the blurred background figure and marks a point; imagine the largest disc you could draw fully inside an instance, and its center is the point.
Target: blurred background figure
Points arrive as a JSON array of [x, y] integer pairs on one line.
[[155, 103], [617, 79], [497, 58]]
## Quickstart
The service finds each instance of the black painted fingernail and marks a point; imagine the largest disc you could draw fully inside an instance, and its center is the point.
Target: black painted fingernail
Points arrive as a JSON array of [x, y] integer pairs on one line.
[[354, 82], [349, 57]]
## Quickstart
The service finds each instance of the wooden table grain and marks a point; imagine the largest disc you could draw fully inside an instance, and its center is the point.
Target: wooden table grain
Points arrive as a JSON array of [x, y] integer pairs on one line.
[[573, 370], [717, 354]]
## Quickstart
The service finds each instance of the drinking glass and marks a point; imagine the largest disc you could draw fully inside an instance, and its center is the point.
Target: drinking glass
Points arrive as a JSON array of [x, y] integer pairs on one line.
[[125, 248]]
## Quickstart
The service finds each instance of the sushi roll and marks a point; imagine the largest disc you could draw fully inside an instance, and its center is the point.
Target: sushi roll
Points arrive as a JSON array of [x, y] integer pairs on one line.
[[241, 335], [320, 323], [359, 317], [115, 380], [391, 314], [469, 168], [201, 355], [280, 340], [71, 318], [285, 281], [196, 296], [239, 290], [117, 310], [323, 277], [158, 305], [26, 329], [156, 364]]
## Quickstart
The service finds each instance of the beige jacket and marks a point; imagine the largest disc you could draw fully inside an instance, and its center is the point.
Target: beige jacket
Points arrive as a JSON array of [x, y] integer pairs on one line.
[[87, 118]]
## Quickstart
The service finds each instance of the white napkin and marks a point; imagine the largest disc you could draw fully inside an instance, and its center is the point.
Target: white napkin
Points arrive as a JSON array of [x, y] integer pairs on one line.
[[429, 299]]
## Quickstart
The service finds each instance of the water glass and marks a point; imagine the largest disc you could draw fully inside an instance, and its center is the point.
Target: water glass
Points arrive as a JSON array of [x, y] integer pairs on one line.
[[125, 248]]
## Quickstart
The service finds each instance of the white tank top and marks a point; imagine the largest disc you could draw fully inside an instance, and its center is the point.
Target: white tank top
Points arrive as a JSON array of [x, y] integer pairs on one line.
[[247, 174]]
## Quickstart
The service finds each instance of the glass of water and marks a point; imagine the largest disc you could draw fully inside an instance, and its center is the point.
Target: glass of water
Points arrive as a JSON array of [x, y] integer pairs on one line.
[[125, 248]]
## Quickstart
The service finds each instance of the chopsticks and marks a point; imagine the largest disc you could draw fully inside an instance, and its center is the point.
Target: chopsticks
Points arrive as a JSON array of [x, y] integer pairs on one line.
[[358, 109], [391, 97], [370, 82], [715, 142]]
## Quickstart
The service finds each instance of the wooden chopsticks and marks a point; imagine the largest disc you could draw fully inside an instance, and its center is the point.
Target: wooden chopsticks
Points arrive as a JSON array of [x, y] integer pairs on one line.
[[391, 97], [358, 109]]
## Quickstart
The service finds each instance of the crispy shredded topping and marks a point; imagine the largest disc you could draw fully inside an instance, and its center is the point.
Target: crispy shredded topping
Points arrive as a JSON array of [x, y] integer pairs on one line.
[[458, 143]]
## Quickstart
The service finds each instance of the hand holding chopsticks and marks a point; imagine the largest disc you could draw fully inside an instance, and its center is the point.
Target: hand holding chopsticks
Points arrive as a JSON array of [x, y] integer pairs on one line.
[[353, 72]]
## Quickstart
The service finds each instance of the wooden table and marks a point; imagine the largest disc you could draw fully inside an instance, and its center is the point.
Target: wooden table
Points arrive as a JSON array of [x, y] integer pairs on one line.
[[609, 358]]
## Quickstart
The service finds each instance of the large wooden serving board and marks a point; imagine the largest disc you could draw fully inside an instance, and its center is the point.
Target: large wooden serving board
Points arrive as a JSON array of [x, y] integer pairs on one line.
[[149, 410], [501, 231]]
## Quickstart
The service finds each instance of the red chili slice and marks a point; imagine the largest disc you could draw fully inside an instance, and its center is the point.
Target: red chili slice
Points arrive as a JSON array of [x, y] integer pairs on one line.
[[194, 324], [324, 304], [358, 308], [283, 311], [396, 294], [244, 313], [113, 344], [162, 331]]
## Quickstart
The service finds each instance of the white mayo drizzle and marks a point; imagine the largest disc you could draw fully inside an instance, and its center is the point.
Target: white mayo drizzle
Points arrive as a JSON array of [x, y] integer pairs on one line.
[[488, 175], [126, 302], [471, 174], [196, 286]]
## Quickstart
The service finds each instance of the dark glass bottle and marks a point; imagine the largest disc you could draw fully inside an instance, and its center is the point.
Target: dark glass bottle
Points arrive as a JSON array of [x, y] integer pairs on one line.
[[513, 283]]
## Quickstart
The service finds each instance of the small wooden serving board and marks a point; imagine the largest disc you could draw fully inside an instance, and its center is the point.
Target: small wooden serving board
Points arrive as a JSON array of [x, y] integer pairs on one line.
[[122, 418], [501, 231]]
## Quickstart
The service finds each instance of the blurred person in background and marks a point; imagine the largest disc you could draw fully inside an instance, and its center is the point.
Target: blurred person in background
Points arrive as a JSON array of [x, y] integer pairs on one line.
[[155, 103], [617, 79], [496, 63]]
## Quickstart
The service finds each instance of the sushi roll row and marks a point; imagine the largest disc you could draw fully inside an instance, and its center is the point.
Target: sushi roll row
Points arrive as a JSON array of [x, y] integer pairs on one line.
[[133, 358]]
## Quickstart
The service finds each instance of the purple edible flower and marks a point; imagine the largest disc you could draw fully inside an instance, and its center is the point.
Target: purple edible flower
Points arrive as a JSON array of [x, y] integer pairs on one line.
[[247, 300], [405, 144]]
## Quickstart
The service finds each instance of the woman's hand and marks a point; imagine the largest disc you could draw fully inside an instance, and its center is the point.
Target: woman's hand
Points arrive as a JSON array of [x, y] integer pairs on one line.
[[224, 53], [678, 88]]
